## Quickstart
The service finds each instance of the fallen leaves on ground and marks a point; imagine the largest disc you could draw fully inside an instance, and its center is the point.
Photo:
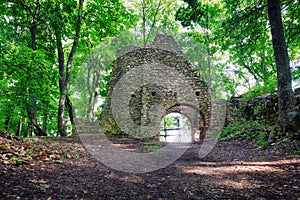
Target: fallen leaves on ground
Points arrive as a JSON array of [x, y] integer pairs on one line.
[[234, 169], [20, 151]]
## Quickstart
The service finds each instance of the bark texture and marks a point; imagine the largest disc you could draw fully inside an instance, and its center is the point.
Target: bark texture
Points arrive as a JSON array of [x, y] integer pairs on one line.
[[284, 79]]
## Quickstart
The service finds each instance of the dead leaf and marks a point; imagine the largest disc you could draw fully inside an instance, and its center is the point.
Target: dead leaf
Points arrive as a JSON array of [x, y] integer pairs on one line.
[[37, 181]]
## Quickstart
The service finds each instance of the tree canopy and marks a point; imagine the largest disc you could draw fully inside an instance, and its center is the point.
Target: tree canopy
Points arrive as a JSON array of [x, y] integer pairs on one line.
[[47, 46]]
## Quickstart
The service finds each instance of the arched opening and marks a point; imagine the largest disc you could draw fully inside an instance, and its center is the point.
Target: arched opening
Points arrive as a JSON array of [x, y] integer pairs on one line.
[[196, 118], [175, 127]]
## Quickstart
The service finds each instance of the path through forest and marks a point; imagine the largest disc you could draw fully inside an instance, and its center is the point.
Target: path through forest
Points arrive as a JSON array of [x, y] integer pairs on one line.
[[60, 169]]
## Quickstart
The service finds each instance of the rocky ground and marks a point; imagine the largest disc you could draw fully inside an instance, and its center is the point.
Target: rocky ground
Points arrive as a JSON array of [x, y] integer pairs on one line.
[[60, 168]]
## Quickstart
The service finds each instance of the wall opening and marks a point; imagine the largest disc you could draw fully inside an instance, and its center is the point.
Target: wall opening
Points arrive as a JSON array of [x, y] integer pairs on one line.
[[149, 94], [175, 127]]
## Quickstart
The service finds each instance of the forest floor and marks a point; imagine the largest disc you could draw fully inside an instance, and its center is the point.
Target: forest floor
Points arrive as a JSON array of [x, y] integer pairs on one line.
[[60, 168]]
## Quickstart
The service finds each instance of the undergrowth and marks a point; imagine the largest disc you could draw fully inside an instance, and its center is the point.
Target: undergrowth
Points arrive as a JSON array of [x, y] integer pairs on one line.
[[248, 130]]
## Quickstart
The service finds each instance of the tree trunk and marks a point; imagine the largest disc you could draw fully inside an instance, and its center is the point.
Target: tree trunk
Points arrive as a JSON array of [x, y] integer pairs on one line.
[[31, 112], [7, 123], [19, 131], [33, 36], [31, 103], [90, 88], [94, 70], [208, 51], [32, 115], [45, 120], [70, 111], [284, 79], [29, 130], [65, 79], [144, 22], [96, 93], [61, 69]]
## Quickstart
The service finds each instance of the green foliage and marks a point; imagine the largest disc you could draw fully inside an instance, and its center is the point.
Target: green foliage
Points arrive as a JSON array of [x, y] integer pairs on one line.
[[16, 160], [228, 43], [246, 36], [291, 17], [29, 74], [27, 80], [258, 89], [152, 17], [168, 121], [239, 29], [30, 151], [194, 47], [247, 130], [151, 147], [296, 152], [192, 13], [104, 80], [296, 75], [203, 20], [171, 121]]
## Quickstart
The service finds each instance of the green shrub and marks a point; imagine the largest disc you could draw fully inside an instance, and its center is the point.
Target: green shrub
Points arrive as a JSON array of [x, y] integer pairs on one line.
[[297, 152], [247, 130]]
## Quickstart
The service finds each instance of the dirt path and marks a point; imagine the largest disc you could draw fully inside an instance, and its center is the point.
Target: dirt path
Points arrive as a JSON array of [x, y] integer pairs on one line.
[[233, 170]]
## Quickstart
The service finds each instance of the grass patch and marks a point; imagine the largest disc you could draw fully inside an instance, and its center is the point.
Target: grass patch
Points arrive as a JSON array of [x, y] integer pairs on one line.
[[151, 147]]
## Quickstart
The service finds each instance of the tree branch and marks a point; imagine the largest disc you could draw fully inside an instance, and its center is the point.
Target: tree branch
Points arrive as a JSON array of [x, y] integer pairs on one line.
[[250, 70], [75, 42], [154, 21]]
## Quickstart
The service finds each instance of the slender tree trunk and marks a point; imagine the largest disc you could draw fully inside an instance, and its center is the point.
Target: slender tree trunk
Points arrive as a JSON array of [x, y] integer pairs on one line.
[[144, 17], [45, 120], [144, 21], [61, 69], [19, 131], [31, 102], [68, 103], [96, 91], [7, 123], [284, 79], [31, 112], [158, 8], [208, 51], [33, 28], [93, 89], [32, 115], [65, 80], [88, 80], [200, 69], [70, 110], [29, 130]]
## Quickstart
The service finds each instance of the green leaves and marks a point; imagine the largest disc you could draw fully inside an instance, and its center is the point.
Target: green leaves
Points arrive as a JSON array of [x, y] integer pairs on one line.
[[29, 73], [191, 13], [240, 29], [103, 19]]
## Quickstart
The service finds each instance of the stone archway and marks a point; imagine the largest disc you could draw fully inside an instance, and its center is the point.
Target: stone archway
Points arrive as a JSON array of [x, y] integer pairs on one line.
[[167, 52], [195, 117], [175, 127]]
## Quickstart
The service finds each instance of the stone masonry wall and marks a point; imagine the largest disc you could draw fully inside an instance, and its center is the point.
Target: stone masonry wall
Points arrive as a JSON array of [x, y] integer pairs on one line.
[[263, 109], [166, 51]]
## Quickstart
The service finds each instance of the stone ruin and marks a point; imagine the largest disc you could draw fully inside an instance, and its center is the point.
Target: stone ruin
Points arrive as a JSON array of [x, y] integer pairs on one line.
[[165, 50]]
